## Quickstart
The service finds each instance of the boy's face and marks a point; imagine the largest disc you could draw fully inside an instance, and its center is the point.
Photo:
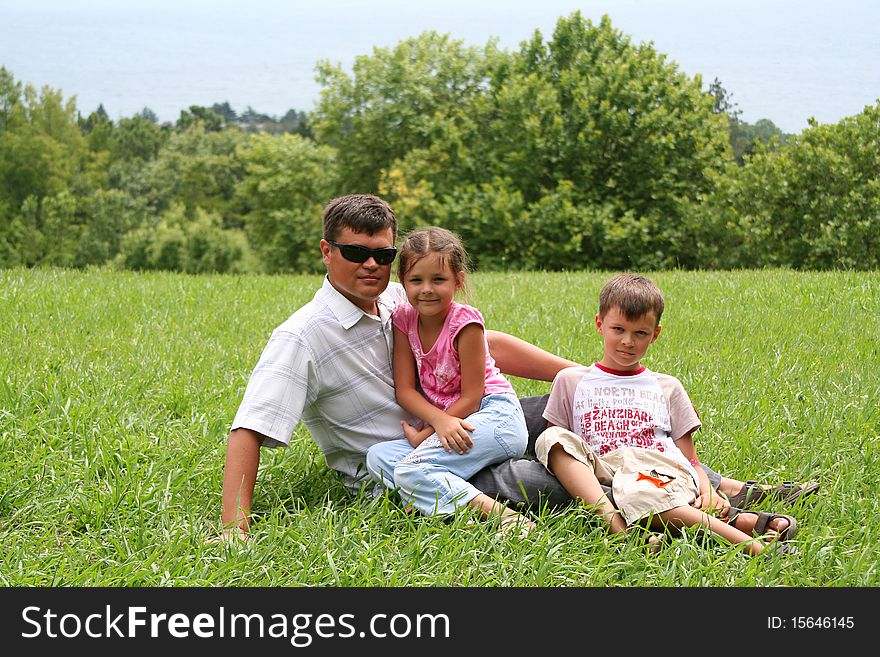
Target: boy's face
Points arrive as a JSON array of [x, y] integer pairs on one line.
[[626, 341]]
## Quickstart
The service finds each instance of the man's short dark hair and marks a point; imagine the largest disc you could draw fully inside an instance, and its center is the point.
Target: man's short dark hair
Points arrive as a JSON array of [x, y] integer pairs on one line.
[[362, 213]]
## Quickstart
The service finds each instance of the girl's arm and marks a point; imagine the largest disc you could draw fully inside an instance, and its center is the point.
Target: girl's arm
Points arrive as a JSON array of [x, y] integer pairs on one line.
[[472, 356], [452, 431]]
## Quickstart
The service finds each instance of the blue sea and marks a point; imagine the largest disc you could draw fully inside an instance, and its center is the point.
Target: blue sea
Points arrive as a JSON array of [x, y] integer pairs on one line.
[[785, 60]]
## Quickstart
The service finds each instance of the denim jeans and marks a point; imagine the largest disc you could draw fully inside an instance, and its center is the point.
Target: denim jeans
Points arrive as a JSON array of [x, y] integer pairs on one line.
[[435, 481]]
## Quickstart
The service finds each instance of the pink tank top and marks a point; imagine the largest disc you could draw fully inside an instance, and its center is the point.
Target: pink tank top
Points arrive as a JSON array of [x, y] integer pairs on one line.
[[439, 368]]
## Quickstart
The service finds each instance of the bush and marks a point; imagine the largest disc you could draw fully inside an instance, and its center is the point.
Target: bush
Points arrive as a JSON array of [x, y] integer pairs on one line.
[[177, 244], [813, 203]]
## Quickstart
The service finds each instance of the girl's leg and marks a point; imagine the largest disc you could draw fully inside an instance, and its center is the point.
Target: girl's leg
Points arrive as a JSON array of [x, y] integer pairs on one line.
[[436, 480], [580, 481], [383, 457], [688, 516], [508, 517]]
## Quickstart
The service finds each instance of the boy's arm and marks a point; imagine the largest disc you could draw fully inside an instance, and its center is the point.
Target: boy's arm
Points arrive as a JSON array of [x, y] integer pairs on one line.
[[708, 499], [239, 478], [517, 357], [451, 430]]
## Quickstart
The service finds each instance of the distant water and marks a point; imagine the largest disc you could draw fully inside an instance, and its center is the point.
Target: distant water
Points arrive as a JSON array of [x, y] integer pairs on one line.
[[785, 60]]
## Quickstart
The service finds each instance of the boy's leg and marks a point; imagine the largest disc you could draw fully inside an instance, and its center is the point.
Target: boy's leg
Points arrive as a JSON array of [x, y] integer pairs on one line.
[[687, 516], [527, 482], [580, 481]]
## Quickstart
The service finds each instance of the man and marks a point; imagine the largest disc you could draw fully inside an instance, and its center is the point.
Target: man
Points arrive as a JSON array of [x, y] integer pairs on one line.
[[329, 365]]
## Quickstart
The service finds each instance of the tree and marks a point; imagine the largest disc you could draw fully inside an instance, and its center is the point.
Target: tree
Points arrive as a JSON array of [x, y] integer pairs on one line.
[[296, 123], [178, 243], [196, 167], [744, 137], [211, 121], [812, 203], [42, 149], [149, 115], [395, 101], [98, 129], [288, 181], [137, 138], [225, 111], [629, 138]]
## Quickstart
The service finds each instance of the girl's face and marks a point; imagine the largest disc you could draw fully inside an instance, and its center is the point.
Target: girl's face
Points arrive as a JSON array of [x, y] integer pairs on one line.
[[431, 286]]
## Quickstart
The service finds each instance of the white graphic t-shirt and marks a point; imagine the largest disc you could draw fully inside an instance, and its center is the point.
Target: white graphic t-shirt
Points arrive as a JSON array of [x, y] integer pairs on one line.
[[610, 409]]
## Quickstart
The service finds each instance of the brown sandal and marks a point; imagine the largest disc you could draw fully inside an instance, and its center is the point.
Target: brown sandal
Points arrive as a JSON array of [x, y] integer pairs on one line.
[[753, 493], [763, 523]]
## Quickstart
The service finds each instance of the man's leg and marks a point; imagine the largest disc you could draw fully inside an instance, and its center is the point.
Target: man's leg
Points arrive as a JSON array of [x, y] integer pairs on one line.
[[522, 482], [436, 480], [751, 493]]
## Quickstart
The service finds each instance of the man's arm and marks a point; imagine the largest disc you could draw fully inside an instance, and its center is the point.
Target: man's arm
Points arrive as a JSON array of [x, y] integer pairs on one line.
[[517, 357], [239, 478]]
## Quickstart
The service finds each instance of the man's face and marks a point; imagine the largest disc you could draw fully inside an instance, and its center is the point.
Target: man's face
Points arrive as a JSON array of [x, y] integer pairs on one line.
[[359, 282]]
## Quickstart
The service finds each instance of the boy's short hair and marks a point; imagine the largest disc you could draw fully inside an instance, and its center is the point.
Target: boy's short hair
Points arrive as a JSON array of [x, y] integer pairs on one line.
[[633, 294], [362, 213]]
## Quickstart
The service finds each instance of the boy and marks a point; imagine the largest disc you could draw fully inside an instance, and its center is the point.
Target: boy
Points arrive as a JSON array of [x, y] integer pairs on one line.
[[619, 424]]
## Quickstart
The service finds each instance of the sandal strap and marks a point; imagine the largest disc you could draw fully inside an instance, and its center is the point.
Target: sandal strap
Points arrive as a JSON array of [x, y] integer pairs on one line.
[[763, 520]]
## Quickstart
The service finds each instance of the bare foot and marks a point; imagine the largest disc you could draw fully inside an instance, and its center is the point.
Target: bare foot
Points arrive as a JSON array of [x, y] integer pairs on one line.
[[229, 536], [514, 522], [409, 431]]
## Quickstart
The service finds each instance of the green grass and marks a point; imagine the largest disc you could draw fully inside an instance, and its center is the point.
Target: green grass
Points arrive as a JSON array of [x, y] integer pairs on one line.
[[116, 392]]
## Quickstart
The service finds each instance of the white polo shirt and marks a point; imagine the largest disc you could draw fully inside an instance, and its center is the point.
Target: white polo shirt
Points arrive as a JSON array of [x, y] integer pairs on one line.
[[328, 365]]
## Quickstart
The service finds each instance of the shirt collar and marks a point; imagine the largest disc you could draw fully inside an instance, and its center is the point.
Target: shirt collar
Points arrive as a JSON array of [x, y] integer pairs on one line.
[[346, 313]]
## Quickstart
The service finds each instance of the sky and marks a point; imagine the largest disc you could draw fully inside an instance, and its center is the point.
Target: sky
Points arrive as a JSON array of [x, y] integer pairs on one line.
[[785, 60]]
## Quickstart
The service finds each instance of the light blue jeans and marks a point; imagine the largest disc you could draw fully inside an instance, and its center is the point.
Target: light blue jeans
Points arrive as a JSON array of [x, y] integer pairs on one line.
[[435, 481]]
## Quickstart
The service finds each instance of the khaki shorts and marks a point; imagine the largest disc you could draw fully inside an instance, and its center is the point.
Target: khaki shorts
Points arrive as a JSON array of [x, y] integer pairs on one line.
[[643, 481]]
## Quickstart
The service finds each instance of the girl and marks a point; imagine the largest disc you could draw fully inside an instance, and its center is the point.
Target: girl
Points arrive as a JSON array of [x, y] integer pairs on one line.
[[445, 376]]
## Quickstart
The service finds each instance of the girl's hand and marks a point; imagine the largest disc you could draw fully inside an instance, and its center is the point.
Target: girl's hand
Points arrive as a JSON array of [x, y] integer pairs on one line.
[[453, 433]]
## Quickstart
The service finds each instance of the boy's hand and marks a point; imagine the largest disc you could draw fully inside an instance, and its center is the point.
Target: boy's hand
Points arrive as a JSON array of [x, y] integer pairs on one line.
[[712, 502]]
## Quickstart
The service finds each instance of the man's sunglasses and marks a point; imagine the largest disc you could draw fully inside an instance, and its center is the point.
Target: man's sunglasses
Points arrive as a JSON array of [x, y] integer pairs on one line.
[[355, 253]]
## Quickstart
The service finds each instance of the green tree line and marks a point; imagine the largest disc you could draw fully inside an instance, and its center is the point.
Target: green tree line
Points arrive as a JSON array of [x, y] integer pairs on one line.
[[578, 151]]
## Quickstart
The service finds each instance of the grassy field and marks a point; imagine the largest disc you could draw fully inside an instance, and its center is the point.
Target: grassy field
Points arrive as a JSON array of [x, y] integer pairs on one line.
[[116, 392]]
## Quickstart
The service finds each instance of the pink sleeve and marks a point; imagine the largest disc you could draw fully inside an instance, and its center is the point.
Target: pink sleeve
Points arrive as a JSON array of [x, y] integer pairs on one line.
[[402, 317], [463, 316]]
